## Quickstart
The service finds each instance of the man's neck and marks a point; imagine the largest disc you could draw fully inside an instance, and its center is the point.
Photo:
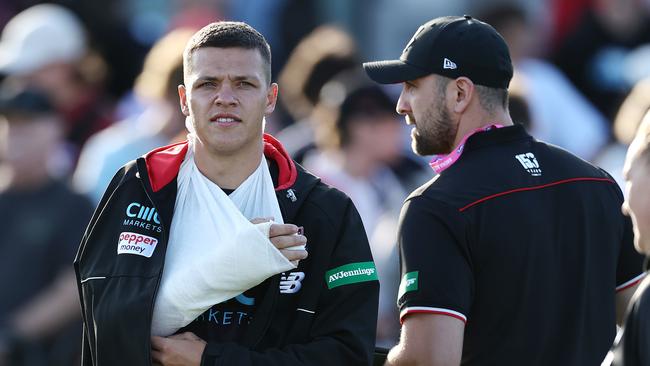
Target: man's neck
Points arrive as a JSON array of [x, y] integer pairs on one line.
[[470, 123], [227, 171]]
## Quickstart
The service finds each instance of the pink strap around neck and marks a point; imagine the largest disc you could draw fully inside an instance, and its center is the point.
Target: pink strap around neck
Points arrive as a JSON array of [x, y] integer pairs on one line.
[[443, 161]]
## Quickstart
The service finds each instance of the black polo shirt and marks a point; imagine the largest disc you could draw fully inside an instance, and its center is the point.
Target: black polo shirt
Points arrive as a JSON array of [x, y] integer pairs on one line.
[[526, 244]]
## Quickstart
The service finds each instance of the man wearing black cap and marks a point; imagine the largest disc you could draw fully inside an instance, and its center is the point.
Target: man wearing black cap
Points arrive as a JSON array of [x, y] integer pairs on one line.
[[513, 253]]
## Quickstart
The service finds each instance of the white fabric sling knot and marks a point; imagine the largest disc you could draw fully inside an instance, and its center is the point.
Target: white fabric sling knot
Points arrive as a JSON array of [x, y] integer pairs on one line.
[[214, 253]]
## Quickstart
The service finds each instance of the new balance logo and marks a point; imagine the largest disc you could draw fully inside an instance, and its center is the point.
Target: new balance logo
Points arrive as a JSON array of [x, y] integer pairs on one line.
[[529, 162], [448, 64], [292, 283]]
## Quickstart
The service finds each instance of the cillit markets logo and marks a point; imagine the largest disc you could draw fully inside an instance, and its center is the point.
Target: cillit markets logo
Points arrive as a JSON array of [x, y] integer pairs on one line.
[[134, 243], [143, 217]]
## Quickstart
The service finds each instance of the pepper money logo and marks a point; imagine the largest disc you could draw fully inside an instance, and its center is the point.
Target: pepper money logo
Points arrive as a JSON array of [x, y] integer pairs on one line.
[[134, 243], [139, 215]]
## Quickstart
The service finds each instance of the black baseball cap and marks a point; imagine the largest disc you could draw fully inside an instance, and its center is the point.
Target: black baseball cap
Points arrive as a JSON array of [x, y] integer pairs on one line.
[[450, 46]]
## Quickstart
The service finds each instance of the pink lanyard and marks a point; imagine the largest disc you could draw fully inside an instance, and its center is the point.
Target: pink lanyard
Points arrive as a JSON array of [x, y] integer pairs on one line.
[[441, 162]]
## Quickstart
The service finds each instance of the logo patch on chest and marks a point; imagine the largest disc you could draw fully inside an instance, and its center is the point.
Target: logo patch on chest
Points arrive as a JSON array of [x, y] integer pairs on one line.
[[530, 163], [292, 283], [138, 244]]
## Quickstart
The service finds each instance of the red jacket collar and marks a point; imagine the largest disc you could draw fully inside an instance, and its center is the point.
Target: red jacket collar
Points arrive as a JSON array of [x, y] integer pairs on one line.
[[164, 163]]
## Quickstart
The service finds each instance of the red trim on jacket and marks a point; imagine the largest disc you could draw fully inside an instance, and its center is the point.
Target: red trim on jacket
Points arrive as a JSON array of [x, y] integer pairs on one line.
[[274, 150], [164, 163], [534, 188]]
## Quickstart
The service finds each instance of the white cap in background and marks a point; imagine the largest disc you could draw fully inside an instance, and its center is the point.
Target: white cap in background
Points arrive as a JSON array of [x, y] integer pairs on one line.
[[38, 36]]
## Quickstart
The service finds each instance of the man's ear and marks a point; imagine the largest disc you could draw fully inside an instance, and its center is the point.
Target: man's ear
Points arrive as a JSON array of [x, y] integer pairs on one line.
[[463, 92], [271, 98], [182, 96]]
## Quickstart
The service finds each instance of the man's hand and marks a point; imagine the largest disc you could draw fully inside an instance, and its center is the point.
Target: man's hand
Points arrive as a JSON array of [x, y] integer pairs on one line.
[[183, 349], [285, 236]]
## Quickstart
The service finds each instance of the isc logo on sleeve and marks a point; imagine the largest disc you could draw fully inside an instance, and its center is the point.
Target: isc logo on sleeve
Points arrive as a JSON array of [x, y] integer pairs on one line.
[[138, 244]]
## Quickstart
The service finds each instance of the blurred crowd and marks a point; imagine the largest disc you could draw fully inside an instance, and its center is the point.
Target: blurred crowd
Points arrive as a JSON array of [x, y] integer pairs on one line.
[[87, 86]]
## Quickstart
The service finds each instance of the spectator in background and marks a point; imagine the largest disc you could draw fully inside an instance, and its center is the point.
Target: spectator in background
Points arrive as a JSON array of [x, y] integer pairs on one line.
[[324, 53], [559, 113], [518, 108], [365, 137], [161, 122], [45, 46], [318, 59], [565, 16], [41, 221], [633, 347], [626, 123], [361, 139], [603, 56]]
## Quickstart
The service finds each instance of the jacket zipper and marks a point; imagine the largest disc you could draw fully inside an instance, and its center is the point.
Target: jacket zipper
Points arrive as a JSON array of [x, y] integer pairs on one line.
[[93, 278], [155, 292], [267, 324]]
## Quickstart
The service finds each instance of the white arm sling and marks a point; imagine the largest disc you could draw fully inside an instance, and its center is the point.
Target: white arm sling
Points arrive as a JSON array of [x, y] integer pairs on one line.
[[214, 253]]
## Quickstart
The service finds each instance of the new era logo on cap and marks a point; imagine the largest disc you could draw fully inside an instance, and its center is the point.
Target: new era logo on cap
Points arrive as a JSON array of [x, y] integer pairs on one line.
[[448, 64]]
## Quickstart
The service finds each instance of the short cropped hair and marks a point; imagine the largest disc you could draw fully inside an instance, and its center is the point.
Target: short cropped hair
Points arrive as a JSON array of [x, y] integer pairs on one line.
[[492, 98], [229, 35]]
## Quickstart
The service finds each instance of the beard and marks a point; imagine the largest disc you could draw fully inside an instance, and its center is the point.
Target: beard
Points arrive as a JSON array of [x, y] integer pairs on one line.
[[435, 132]]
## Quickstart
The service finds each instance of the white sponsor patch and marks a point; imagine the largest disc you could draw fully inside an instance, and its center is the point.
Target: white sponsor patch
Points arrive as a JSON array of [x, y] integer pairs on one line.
[[134, 243]]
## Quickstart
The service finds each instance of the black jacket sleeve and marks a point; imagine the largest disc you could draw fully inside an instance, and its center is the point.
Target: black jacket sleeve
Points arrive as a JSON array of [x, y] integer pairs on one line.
[[86, 357], [343, 331]]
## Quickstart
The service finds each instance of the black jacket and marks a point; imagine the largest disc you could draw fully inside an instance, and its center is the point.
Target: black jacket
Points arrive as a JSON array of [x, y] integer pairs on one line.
[[330, 321]]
